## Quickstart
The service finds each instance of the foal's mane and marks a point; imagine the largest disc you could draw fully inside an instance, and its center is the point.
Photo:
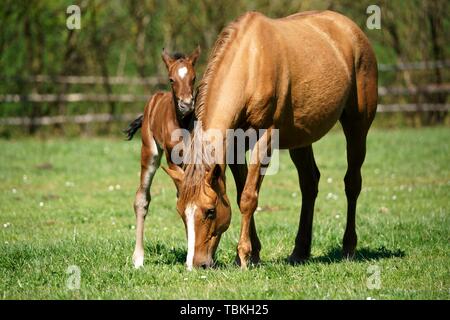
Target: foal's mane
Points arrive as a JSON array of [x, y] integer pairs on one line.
[[199, 160], [178, 56]]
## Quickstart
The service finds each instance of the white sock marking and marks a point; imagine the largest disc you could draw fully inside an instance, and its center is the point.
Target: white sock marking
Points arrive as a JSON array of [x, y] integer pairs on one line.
[[182, 72], [190, 222], [139, 262]]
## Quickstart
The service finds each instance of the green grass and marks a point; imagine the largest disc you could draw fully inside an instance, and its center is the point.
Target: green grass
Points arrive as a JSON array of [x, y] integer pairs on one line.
[[62, 214]]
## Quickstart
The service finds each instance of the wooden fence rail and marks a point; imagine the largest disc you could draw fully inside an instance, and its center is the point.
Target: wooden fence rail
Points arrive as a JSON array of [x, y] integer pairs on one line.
[[89, 80], [130, 98], [78, 119], [419, 65], [106, 117], [73, 97], [162, 80]]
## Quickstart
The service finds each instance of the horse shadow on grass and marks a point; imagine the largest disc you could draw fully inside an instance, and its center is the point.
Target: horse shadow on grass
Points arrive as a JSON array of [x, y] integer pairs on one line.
[[334, 255], [161, 253]]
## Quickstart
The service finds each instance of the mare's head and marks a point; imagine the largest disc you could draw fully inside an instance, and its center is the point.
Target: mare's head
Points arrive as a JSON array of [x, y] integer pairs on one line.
[[205, 209], [182, 79]]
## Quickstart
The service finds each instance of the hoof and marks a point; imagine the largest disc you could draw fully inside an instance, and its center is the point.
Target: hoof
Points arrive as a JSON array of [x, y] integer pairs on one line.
[[348, 254], [138, 261], [295, 259], [238, 262], [253, 260]]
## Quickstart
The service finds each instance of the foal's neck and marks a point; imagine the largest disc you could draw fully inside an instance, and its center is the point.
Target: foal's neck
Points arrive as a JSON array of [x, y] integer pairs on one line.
[[187, 122]]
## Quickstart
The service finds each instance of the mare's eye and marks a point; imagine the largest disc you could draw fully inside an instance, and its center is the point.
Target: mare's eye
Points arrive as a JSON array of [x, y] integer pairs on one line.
[[211, 213], [193, 80], [171, 80]]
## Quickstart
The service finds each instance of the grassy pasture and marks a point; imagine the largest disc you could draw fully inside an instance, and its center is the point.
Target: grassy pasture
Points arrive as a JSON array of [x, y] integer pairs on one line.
[[69, 203]]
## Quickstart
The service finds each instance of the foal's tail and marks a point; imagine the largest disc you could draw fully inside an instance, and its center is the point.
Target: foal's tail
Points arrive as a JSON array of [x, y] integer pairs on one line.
[[133, 127]]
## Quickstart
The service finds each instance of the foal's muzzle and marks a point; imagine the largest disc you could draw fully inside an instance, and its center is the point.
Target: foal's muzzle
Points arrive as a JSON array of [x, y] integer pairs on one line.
[[185, 108]]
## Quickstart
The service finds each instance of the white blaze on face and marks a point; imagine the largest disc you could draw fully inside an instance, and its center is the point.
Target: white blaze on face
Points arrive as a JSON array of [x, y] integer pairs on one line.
[[190, 224], [182, 72]]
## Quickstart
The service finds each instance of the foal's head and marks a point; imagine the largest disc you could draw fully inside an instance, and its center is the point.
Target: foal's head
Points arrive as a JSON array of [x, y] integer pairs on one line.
[[205, 209], [182, 79]]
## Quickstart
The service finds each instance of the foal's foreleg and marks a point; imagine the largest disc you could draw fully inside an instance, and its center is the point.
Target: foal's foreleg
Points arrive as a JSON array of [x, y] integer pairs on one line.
[[150, 160], [249, 200]]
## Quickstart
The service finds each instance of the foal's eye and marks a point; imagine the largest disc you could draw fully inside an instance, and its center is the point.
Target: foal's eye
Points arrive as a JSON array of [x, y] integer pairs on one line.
[[171, 80], [211, 213]]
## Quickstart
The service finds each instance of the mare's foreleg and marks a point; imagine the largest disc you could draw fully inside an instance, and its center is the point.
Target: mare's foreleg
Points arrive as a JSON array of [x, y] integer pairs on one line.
[[249, 199]]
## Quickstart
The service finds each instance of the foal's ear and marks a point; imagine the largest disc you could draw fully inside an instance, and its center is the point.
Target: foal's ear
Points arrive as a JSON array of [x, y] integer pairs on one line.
[[177, 175], [167, 58], [213, 175], [194, 55]]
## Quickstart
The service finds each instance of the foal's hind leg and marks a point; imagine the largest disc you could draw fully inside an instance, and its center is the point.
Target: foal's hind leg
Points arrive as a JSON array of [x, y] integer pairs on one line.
[[308, 175], [150, 160]]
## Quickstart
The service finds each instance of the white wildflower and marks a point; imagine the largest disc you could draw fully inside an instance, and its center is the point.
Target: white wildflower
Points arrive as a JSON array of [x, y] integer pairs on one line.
[[332, 196]]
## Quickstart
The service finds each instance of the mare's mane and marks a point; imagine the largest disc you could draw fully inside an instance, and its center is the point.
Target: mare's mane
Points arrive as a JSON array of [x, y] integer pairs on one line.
[[199, 160]]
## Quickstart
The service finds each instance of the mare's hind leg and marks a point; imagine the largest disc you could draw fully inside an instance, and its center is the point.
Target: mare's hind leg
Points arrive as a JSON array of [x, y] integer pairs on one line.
[[356, 151], [150, 160], [308, 175], [240, 175], [356, 120]]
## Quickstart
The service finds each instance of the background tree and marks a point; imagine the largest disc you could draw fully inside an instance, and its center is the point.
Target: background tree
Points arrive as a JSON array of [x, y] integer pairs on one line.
[[125, 38]]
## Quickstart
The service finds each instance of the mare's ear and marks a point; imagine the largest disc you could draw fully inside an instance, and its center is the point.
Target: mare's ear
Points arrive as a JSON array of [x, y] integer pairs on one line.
[[177, 175], [213, 175], [167, 58], [194, 55]]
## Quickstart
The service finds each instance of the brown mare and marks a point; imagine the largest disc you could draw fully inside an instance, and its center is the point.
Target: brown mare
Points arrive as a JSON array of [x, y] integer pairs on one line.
[[299, 74], [164, 113]]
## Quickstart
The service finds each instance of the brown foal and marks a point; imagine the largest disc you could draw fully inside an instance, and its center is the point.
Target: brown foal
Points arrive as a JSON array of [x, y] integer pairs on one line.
[[164, 113]]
